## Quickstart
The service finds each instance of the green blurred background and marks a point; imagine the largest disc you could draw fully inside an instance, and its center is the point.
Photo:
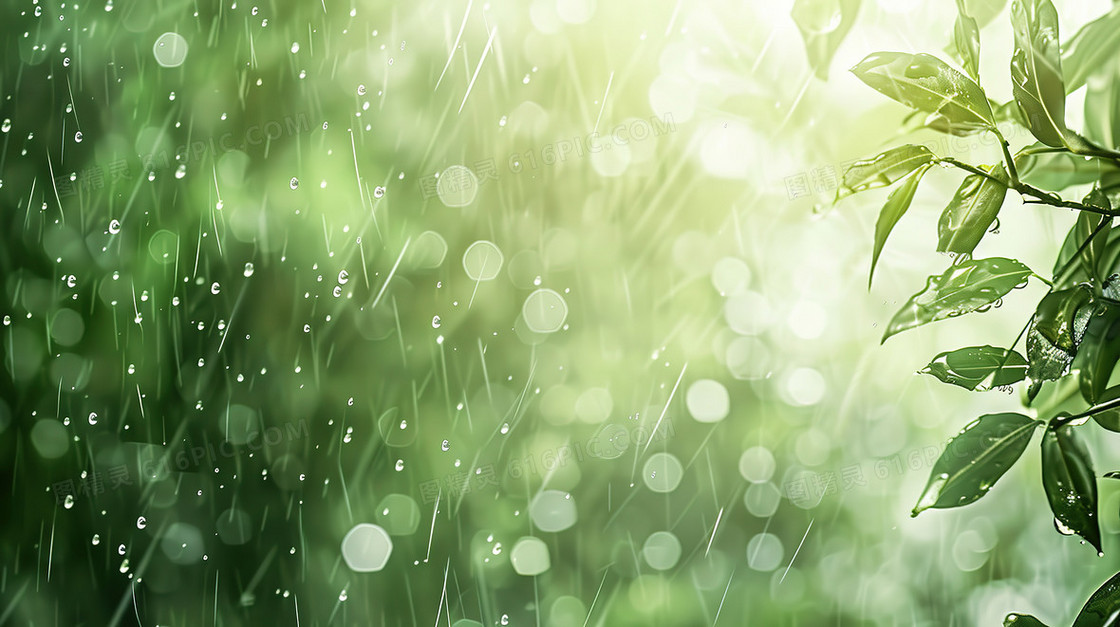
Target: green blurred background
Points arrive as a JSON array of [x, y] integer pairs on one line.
[[551, 292]]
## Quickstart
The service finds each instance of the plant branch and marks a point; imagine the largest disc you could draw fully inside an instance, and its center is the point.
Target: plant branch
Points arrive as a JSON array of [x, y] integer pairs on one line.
[[1081, 417], [1039, 196], [1007, 158]]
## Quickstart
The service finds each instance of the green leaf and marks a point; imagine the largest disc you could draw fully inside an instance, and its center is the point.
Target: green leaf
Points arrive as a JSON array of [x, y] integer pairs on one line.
[[971, 212], [1056, 171], [1056, 317], [984, 10], [1101, 606], [1091, 48], [1054, 333], [1070, 484], [897, 204], [963, 288], [966, 41], [1009, 112], [926, 83], [1098, 199], [1022, 620], [883, 169], [1099, 350], [823, 25], [975, 459], [1036, 71], [1109, 419], [970, 367], [1102, 107], [1091, 263]]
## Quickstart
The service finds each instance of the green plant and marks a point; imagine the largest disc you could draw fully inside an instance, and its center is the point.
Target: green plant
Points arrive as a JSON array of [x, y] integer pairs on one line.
[[1072, 339]]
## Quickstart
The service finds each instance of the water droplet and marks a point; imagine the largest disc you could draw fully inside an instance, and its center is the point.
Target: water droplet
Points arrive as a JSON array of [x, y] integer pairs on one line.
[[361, 90], [78, 137], [92, 417], [400, 465], [114, 226], [294, 183], [248, 269], [295, 47], [378, 191], [343, 277], [1062, 528], [446, 445], [181, 171], [141, 522], [435, 322], [215, 287], [69, 502]]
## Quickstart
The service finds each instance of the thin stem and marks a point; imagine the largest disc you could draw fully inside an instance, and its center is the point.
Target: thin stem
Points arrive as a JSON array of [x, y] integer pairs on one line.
[[1011, 170], [1040, 196], [970, 168], [1066, 268], [1088, 413]]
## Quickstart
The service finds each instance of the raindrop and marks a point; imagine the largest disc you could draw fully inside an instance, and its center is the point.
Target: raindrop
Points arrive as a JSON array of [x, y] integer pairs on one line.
[[435, 322], [343, 277], [294, 183], [181, 171], [78, 137], [114, 226], [248, 269], [446, 445], [400, 465], [378, 191], [92, 417], [295, 47], [361, 90], [215, 287], [141, 522], [69, 502]]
